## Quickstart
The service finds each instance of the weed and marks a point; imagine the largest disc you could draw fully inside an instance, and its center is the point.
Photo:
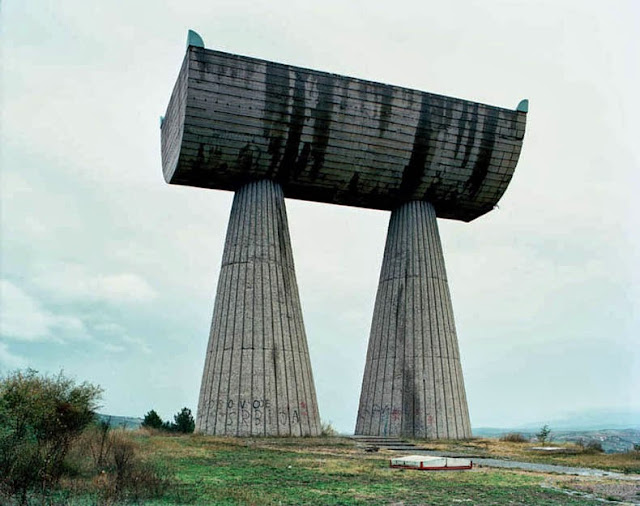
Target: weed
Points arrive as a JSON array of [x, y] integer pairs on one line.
[[514, 437], [327, 430]]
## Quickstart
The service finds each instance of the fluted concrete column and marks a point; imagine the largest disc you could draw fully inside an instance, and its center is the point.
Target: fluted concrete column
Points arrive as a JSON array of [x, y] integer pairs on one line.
[[413, 382], [257, 377]]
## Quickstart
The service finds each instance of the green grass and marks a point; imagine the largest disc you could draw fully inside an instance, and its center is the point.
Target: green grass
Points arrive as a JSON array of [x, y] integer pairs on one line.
[[315, 471], [208, 470]]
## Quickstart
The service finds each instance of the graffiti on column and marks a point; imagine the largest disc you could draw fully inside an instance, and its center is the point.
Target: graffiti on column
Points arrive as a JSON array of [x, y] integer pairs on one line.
[[257, 411]]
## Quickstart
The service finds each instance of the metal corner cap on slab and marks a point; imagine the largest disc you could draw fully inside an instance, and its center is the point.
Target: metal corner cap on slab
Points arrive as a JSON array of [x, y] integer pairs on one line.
[[523, 106], [328, 138], [194, 39]]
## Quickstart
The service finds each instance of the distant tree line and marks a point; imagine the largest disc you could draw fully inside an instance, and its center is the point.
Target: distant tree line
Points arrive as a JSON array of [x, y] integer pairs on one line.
[[182, 422]]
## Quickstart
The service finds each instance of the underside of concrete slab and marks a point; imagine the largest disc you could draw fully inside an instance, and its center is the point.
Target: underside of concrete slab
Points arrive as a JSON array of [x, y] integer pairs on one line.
[[413, 383], [257, 377]]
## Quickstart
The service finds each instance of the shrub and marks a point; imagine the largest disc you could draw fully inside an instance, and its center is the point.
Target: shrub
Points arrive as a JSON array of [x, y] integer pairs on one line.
[[100, 444], [40, 417], [594, 446], [514, 437], [126, 476], [122, 454], [110, 459]]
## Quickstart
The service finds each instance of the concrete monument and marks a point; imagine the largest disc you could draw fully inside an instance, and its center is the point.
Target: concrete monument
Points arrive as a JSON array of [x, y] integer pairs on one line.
[[268, 131]]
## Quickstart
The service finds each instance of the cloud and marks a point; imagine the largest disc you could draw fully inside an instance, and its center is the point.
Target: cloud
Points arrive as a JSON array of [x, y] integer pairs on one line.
[[74, 282], [141, 344], [9, 360], [113, 348], [117, 287], [115, 332], [24, 319]]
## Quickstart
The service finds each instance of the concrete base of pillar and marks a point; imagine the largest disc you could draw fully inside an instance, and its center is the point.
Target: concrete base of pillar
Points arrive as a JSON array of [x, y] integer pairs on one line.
[[257, 377], [413, 382]]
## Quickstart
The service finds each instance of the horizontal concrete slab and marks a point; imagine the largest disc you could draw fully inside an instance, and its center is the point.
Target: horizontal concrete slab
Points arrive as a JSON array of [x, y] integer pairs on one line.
[[328, 138]]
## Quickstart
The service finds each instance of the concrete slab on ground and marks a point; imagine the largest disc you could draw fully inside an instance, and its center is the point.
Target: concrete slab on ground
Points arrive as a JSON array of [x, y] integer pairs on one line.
[[426, 463]]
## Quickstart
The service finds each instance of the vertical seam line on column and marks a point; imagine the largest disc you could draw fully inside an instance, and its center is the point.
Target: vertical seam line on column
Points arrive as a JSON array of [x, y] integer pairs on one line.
[[432, 332], [232, 237], [439, 319]]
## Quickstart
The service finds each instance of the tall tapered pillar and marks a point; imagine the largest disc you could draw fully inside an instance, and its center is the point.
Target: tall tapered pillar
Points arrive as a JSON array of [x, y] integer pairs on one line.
[[413, 382], [257, 376]]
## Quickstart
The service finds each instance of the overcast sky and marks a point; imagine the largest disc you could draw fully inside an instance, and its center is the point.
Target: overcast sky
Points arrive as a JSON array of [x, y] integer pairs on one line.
[[109, 273]]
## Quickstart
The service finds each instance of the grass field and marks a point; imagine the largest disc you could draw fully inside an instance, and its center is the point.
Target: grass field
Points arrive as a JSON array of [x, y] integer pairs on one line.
[[207, 470]]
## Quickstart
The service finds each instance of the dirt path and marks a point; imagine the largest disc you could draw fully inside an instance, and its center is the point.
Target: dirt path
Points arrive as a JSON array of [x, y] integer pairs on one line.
[[543, 468]]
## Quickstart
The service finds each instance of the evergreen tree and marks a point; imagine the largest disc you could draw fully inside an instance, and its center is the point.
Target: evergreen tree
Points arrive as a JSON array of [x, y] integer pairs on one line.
[[183, 422], [544, 435], [152, 420]]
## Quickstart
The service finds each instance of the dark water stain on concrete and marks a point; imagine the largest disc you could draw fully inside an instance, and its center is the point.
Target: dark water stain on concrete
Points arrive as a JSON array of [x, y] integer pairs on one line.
[[431, 194], [353, 183], [321, 117], [481, 166], [399, 310], [274, 150], [296, 123], [245, 158], [343, 101], [462, 124], [408, 399], [473, 127], [200, 172], [250, 70], [302, 160], [277, 86], [421, 144], [386, 97], [213, 157], [418, 426], [274, 361], [198, 163]]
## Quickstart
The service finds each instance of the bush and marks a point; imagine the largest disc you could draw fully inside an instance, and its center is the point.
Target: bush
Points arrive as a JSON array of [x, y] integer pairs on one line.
[[514, 437], [40, 417]]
